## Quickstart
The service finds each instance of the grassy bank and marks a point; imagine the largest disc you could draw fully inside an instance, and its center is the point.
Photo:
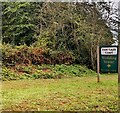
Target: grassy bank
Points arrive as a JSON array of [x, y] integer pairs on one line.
[[68, 94]]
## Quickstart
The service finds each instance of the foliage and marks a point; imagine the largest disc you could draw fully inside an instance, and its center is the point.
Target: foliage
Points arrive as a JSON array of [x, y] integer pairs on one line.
[[61, 57], [17, 25], [45, 72], [7, 74], [73, 28], [33, 55]]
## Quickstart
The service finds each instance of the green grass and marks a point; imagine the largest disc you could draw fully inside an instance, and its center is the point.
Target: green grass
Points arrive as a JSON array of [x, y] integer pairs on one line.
[[67, 94]]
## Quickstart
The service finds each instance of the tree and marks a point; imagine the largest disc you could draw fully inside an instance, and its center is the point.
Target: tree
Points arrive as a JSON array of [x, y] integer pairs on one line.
[[74, 27], [17, 23]]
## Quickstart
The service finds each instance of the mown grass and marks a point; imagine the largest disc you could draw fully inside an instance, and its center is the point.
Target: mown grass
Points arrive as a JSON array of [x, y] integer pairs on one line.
[[67, 94]]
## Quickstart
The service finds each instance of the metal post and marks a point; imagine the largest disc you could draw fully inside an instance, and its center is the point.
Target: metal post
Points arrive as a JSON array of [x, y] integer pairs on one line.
[[98, 65]]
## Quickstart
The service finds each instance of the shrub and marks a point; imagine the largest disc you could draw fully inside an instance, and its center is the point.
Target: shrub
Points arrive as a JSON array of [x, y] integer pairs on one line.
[[61, 57], [7, 74], [28, 55], [22, 55], [45, 72]]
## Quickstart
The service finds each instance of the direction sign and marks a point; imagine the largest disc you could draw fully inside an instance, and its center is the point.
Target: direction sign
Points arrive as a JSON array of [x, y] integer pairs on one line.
[[109, 59]]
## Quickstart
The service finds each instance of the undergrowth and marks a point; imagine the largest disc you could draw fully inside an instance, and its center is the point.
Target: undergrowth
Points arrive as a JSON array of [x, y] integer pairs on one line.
[[45, 72], [23, 62]]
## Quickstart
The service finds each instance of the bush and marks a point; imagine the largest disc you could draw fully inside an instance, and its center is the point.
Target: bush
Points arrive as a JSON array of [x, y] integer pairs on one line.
[[28, 55], [46, 72], [7, 74], [23, 62], [22, 55], [61, 57]]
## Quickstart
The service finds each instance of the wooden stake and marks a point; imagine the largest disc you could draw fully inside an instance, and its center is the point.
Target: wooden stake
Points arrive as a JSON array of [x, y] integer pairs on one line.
[[119, 78], [119, 45], [119, 65], [98, 65], [118, 73], [118, 59]]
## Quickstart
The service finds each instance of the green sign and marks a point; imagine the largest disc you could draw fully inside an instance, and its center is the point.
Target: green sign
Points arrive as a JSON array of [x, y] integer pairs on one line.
[[109, 59]]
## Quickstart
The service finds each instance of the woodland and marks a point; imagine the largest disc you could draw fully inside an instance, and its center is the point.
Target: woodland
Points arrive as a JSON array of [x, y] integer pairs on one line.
[[58, 33], [49, 56]]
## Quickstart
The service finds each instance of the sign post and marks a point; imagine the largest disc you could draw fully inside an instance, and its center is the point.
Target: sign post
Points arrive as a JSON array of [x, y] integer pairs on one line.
[[119, 58], [119, 79], [109, 59], [119, 66], [98, 65]]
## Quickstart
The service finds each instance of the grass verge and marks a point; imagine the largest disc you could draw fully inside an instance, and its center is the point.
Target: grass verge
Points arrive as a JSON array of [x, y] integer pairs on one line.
[[68, 94]]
